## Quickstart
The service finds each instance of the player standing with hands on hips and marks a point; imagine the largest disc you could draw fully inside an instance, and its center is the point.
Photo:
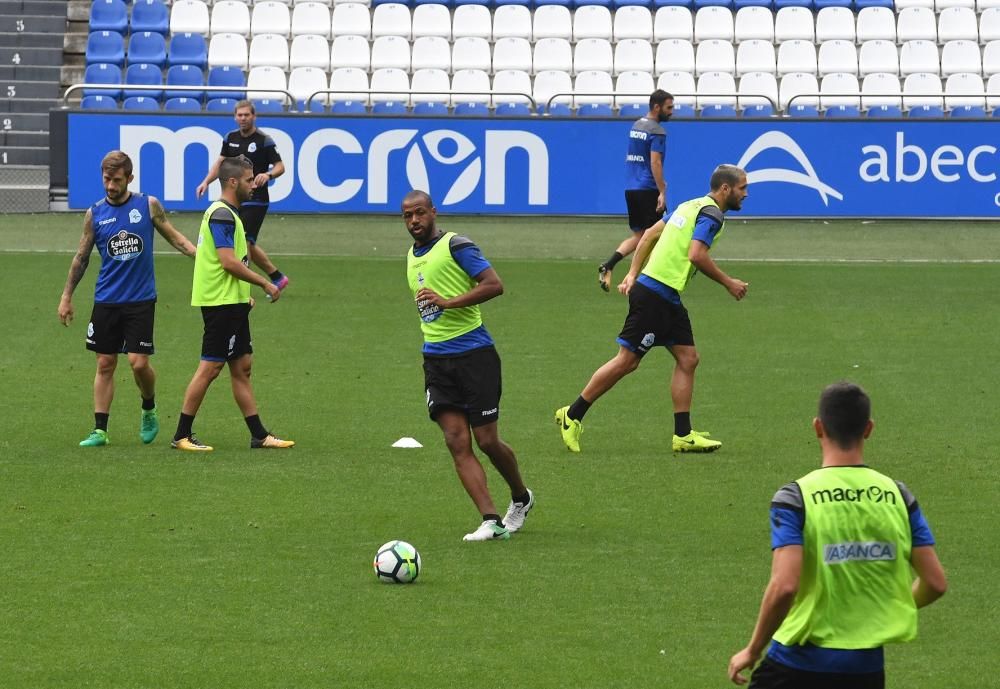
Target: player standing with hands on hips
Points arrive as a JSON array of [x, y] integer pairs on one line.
[[449, 279], [121, 227]]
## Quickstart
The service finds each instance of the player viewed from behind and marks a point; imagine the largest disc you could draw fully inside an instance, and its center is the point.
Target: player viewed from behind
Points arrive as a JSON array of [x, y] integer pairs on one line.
[[844, 539], [645, 188], [222, 279], [669, 254], [449, 278], [121, 227], [259, 148]]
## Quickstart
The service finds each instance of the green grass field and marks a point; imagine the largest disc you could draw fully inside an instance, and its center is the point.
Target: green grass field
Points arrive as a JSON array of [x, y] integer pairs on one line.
[[134, 566]]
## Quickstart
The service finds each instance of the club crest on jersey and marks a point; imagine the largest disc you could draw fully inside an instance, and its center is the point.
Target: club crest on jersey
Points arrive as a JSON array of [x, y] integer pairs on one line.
[[252, 147], [124, 246], [134, 216]]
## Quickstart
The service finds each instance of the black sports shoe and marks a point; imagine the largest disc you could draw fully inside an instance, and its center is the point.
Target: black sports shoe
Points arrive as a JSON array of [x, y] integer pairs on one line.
[[604, 277]]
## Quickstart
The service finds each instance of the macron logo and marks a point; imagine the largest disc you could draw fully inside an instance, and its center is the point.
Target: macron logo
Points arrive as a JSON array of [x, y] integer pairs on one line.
[[807, 178]]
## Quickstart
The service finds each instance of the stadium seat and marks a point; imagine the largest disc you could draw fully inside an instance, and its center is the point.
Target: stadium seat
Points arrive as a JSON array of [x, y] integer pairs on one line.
[[633, 88], [430, 86], [699, 4], [108, 15], [919, 56], [742, 4], [305, 81], [231, 16], [343, 82], [993, 88], [270, 18], [551, 21], [558, 110], [716, 88], [870, 4], [674, 55], [884, 112], [903, 4], [391, 19], [227, 77], [311, 50], [834, 4], [591, 21], [472, 86], [432, 21], [429, 109], [633, 54], [350, 51], [590, 88], [796, 56], [182, 105], [267, 105], [964, 91], [188, 49], [390, 85], [840, 90], [269, 50], [105, 47], [221, 105], [794, 24], [551, 54], [835, 24], [147, 48], [959, 57], [713, 23], [512, 21], [755, 24], [633, 111], [141, 103], [680, 85], [940, 5], [758, 110], [798, 88], [876, 24], [878, 56], [673, 22], [879, 90], [351, 19], [102, 73], [185, 75], [803, 111], [227, 50], [189, 16], [718, 111], [515, 53], [991, 58], [260, 79], [311, 18], [837, 56], [778, 4], [98, 103], [143, 75], [756, 89], [470, 52], [842, 112], [756, 56], [391, 52], [632, 22], [348, 107], [508, 109], [957, 24], [473, 21], [926, 112], [967, 112], [150, 15], [989, 25], [592, 54], [916, 24], [923, 90], [389, 107], [595, 110], [715, 56], [683, 111]]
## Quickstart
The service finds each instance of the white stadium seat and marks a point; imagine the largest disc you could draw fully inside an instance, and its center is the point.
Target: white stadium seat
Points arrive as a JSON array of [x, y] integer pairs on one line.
[[512, 54], [390, 85], [715, 56], [472, 21], [922, 89], [550, 82], [798, 88], [878, 56], [673, 22], [633, 55], [674, 55], [756, 56], [591, 87], [262, 78], [880, 89], [227, 50], [552, 54], [310, 50], [876, 23], [430, 52], [344, 80], [918, 56], [961, 56], [716, 88], [391, 19], [940, 5], [271, 17], [351, 19], [471, 52], [957, 24], [430, 85], [508, 83], [839, 84], [305, 81], [633, 87], [311, 18], [269, 50], [592, 21], [991, 58], [391, 52], [794, 24], [754, 24], [189, 16], [632, 21], [916, 24], [432, 20], [350, 51], [713, 23], [593, 54], [837, 56], [758, 88], [903, 4], [835, 24], [512, 21], [796, 56], [231, 16], [989, 25], [471, 85], [964, 89], [680, 85], [552, 21], [993, 87]]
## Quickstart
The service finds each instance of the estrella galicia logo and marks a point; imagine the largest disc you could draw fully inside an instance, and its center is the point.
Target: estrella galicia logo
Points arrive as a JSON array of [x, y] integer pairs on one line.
[[124, 246], [807, 178]]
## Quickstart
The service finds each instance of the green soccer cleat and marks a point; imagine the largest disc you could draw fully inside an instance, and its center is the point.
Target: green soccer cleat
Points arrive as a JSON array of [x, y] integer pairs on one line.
[[149, 426], [97, 438], [570, 429], [695, 442]]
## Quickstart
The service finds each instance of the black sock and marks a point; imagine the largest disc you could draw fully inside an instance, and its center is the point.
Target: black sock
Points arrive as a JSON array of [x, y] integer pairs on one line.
[[682, 423], [578, 409], [101, 421], [613, 261], [523, 499], [276, 275], [148, 404], [494, 517], [257, 429], [184, 424]]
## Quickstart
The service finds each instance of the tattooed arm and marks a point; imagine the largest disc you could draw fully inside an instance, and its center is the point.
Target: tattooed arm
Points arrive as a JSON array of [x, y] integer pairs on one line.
[[76, 269], [169, 232]]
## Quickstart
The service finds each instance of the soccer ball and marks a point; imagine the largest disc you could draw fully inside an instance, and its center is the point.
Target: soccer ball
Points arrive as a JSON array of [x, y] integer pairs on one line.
[[397, 562]]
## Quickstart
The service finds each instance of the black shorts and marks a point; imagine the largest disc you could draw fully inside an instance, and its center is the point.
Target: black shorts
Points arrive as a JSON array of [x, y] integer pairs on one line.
[[641, 204], [469, 383], [227, 332], [252, 218], [652, 321], [772, 675], [121, 328]]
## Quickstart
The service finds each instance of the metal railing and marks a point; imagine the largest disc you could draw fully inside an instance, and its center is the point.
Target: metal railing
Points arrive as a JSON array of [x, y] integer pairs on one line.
[[164, 87]]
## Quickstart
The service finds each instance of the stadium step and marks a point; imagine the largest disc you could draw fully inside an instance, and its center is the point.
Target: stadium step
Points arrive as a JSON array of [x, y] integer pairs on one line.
[[38, 8], [29, 72], [29, 23], [24, 122], [24, 39], [35, 105], [38, 57], [24, 176], [29, 89], [23, 155], [25, 139]]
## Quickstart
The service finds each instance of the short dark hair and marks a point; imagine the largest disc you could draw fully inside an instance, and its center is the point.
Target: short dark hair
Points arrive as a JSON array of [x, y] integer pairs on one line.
[[658, 97], [232, 167], [117, 160], [845, 410], [418, 195], [245, 104], [726, 174]]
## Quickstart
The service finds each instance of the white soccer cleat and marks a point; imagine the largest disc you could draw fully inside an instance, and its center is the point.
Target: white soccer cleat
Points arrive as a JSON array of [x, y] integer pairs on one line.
[[516, 513], [489, 530]]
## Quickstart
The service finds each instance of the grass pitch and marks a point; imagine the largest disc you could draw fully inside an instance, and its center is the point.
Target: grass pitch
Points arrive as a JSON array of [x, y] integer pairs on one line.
[[135, 566]]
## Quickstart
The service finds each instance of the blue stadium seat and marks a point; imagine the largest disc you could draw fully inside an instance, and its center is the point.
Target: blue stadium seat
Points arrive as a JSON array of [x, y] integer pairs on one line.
[[221, 105], [842, 112], [779, 4], [594, 110], [803, 111], [102, 73], [185, 75], [472, 109], [109, 15], [559, 110], [226, 76], [265, 105], [182, 105], [628, 3], [539, 3], [926, 112], [861, 4], [578, 3], [968, 112], [698, 4], [106, 46], [512, 110], [188, 49], [721, 112], [141, 103], [392, 107], [430, 109], [150, 15], [472, 2], [143, 75], [98, 103], [633, 111], [348, 107], [759, 110], [820, 4], [740, 4], [147, 48], [683, 111], [673, 3], [882, 112]]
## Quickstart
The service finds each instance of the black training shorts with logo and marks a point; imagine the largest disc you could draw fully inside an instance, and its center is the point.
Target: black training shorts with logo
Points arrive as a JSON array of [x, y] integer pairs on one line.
[[227, 332], [652, 321], [641, 204], [121, 328], [470, 383], [773, 675]]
